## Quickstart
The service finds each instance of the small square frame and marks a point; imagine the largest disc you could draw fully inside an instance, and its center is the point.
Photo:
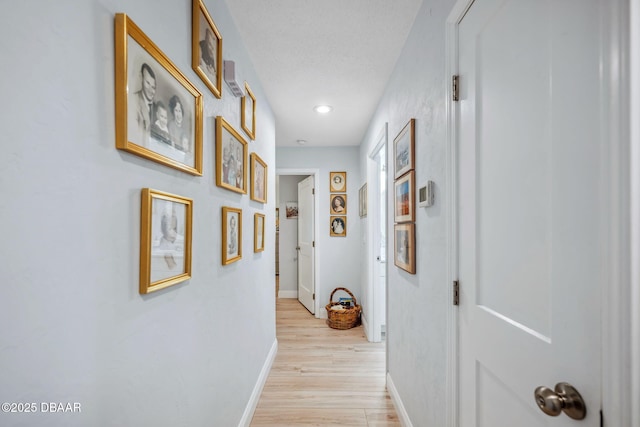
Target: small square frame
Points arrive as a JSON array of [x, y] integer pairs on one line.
[[258, 179], [258, 232], [229, 143], [404, 238], [205, 36], [248, 112], [404, 148], [404, 198], [337, 182], [338, 226], [231, 235], [291, 210]]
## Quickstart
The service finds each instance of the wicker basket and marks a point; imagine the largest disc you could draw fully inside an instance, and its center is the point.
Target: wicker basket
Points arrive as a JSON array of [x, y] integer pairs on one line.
[[346, 318]]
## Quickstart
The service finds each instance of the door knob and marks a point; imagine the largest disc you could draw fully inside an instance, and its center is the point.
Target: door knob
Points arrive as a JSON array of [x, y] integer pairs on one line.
[[564, 398]]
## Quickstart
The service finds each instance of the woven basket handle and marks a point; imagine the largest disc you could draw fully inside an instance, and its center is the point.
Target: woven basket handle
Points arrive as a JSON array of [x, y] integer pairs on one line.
[[342, 289]]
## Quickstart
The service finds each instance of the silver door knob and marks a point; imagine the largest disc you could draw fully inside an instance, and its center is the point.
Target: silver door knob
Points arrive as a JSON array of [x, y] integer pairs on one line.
[[564, 398]]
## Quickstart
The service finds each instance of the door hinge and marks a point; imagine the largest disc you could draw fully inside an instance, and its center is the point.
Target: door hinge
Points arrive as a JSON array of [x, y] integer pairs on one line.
[[314, 296], [313, 191], [601, 419], [455, 86], [313, 244], [456, 292]]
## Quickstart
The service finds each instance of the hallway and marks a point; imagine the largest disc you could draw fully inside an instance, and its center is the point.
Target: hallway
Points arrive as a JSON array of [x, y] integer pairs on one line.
[[322, 376]]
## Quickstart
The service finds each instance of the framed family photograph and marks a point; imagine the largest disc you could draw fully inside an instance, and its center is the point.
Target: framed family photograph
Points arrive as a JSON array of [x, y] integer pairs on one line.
[[338, 204], [158, 110], [165, 240], [231, 235], [338, 226], [258, 232], [362, 199], [405, 247], [248, 112], [258, 179], [403, 149], [206, 50], [404, 198], [291, 210], [231, 157], [337, 182]]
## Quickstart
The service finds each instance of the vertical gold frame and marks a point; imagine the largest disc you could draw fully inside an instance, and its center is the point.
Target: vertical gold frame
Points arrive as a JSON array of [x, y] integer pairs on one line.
[[334, 196], [248, 121], [258, 233], [332, 231], [256, 160], [407, 261], [402, 169], [225, 242], [336, 186], [215, 84], [146, 233], [221, 124]]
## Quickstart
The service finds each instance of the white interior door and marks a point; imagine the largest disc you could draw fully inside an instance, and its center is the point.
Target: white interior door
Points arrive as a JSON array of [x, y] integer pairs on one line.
[[306, 265], [530, 228], [378, 218]]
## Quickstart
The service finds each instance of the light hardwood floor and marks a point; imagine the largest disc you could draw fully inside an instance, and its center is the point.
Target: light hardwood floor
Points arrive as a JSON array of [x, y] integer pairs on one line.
[[323, 376]]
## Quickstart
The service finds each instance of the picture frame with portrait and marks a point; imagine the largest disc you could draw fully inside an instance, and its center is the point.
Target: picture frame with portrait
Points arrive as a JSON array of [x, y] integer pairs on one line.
[[165, 240], [362, 199], [206, 50], [231, 235], [338, 204], [338, 226], [337, 182], [258, 232], [158, 110], [403, 149], [404, 203], [404, 237], [248, 112], [258, 179], [231, 157]]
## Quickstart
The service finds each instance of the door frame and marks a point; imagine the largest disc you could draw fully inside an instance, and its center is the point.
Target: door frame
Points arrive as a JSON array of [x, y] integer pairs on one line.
[[316, 231], [620, 327]]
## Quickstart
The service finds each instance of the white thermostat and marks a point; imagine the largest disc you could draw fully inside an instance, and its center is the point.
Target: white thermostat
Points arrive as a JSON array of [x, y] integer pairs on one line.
[[425, 195]]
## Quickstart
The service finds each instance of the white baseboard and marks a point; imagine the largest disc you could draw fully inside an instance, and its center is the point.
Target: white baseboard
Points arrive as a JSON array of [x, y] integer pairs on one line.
[[397, 402], [245, 421], [365, 326], [287, 294]]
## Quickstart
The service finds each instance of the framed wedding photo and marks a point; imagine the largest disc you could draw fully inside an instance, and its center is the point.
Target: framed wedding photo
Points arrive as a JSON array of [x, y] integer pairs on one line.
[[258, 232], [337, 182], [231, 235], [404, 204], [165, 240], [206, 50], [338, 204], [405, 247], [248, 112], [338, 226], [231, 157], [158, 110], [258, 179], [403, 149]]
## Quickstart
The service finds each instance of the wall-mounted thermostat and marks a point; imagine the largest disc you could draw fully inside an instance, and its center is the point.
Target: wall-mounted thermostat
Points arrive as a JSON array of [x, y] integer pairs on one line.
[[232, 79], [425, 195]]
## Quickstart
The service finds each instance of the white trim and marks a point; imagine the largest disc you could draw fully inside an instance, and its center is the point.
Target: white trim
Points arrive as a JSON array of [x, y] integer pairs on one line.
[[250, 409], [365, 326], [405, 421], [287, 294]]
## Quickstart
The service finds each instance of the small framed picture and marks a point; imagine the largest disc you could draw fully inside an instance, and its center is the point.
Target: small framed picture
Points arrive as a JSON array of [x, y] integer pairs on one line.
[[403, 149], [231, 157], [337, 182], [291, 210], [248, 112], [165, 240], [231, 235], [258, 232], [338, 226], [258, 179], [362, 199], [158, 110], [404, 203], [338, 204], [405, 247], [206, 50]]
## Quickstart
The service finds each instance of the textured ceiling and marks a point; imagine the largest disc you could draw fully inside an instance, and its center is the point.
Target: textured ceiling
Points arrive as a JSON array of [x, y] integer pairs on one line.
[[311, 52]]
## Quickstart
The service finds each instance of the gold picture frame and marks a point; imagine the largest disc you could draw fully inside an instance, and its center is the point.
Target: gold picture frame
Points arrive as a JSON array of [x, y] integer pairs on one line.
[[248, 112], [206, 50], [258, 232], [258, 179], [404, 149], [338, 226], [165, 240], [231, 235], [338, 204], [231, 157], [404, 238], [337, 182], [404, 198], [362, 199], [161, 119]]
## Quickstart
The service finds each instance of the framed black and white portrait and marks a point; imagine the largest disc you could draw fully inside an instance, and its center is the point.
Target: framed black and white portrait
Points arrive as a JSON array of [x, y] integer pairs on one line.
[[206, 51], [231, 235]]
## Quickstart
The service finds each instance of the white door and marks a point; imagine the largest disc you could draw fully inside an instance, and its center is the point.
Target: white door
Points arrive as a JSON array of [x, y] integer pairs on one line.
[[306, 285], [378, 216], [530, 228]]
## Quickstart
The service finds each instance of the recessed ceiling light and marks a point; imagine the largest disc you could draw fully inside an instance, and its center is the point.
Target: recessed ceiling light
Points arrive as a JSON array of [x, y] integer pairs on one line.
[[322, 109], [301, 141]]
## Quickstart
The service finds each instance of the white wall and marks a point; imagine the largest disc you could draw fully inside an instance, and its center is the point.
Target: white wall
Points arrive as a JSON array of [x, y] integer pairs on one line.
[[288, 237], [416, 322], [75, 328], [337, 260]]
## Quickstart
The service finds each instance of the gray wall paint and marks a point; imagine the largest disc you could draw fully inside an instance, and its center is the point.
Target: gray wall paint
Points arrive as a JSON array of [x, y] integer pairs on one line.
[[75, 327], [416, 323], [288, 235]]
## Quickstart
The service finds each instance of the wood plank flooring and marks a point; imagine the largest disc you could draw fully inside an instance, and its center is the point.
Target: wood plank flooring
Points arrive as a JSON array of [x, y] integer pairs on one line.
[[323, 376]]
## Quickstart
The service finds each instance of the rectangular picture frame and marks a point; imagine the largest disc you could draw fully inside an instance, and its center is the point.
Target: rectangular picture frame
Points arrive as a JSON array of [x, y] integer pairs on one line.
[[291, 210], [403, 149], [404, 198], [404, 238], [206, 50], [258, 179], [165, 240], [248, 112], [337, 182], [231, 235], [158, 110], [231, 158], [337, 204], [338, 226], [258, 232], [362, 200]]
